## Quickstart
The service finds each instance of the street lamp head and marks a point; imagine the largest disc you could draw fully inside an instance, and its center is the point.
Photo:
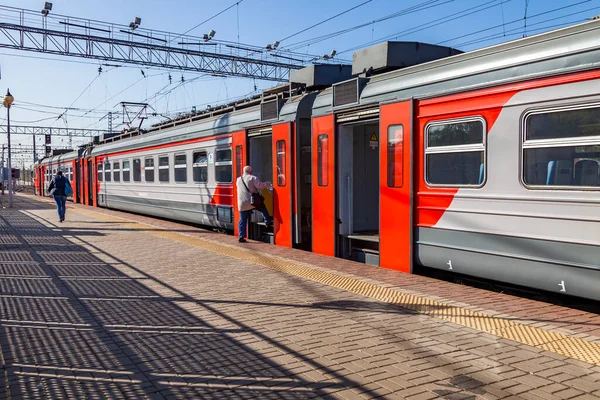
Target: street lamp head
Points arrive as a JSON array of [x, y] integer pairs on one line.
[[47, 8], [8, 99]]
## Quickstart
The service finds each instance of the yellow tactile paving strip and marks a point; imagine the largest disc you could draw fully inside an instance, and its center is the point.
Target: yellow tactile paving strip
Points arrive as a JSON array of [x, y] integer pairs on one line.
[[565, 345]]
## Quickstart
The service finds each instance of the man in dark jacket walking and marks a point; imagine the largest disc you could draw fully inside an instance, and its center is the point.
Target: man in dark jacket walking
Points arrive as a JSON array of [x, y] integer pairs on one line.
[[59, 184]]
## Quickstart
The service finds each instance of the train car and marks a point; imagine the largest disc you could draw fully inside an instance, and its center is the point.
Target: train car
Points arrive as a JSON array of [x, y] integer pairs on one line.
[[484, 163], [47, 167], [185, 169], [181, 172]]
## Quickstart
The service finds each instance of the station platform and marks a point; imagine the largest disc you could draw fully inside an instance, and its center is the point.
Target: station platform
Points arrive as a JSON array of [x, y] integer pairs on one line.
[[115, 305]]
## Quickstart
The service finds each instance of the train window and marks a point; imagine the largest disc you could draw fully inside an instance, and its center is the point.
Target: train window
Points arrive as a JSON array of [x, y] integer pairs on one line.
[[323, 160], [100, 172], [126, 173], [180, 168], [395, 152], [200, 167], [137, 170], [455, 153], [561, 148], [223, 166], [163, 169], [107, 174], [117, 171], [280, 147], [149, 169], [238, 161]]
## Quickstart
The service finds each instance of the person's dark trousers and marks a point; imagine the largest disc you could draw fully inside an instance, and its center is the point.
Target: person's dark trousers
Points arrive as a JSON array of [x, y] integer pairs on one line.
[[61, 206], [245, 216]]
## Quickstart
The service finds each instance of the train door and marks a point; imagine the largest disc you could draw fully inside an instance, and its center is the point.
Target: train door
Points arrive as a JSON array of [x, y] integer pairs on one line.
[[77, 196], [396, 203], [95, 186], [323, 185], [358, 190], [84, 181], [283, 184], [260, 158], [89, 190], [238, 143], [43, 184]]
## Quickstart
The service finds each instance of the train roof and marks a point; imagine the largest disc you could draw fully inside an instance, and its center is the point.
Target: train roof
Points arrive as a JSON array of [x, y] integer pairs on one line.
[[70, 156], [285, 109], [571, 49]]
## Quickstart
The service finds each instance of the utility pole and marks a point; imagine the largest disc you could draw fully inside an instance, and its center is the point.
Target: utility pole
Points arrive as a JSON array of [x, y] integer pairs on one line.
[[8, 100], [3, 177], [34, 155], [110, 117]]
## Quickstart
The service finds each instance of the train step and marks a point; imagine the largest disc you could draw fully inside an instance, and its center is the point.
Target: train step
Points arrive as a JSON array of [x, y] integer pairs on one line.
[[268, 237], [366, 256]]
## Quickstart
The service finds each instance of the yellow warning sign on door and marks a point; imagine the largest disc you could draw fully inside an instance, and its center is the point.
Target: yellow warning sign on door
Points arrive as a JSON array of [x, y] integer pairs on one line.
[[373, 137]]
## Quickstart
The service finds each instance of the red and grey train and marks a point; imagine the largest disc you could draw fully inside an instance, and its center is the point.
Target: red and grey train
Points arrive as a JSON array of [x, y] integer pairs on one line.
[[483, 163]]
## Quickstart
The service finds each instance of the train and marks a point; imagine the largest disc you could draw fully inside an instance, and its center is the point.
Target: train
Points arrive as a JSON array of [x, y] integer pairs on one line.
[[482, 163]]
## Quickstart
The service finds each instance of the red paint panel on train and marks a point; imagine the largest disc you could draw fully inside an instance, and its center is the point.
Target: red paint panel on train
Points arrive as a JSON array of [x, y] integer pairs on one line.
[[283, 184], [323, 185], [238, 144], [395, 222]]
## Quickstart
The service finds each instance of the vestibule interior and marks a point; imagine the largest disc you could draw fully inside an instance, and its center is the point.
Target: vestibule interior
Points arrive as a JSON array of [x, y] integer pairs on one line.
[[260, 152], [358, 191]]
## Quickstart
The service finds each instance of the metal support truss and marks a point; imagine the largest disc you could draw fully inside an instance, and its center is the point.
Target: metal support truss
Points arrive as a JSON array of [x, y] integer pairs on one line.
[[45, 130], [68, 36]]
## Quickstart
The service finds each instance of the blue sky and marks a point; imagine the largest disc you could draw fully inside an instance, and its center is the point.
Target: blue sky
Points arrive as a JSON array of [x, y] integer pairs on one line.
[[58, 81]]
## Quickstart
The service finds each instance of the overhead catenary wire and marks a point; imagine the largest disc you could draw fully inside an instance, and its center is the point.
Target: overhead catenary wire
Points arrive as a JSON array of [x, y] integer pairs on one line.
[[530, 17], [205, 21], [518, 31], [525, 19], [406, 11], [325, 20], [436, 22]]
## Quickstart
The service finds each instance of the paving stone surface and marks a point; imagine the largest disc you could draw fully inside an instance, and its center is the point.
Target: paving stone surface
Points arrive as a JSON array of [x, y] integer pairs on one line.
[[96, 309]]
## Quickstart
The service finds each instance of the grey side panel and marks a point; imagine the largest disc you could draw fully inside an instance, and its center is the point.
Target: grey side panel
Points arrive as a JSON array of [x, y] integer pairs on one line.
[[63, 158], [203, 214], [226, 123], [572, 49], [545, 265]]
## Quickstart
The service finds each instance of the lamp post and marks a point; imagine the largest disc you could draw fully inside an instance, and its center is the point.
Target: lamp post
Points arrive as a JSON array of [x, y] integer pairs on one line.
[[8, 100]]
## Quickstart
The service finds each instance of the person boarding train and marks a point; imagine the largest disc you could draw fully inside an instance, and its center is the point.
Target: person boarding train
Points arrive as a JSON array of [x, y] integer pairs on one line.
[[249, 198]]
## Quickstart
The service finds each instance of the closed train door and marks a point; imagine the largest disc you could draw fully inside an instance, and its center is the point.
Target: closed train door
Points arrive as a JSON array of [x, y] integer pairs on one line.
[[78, 195], [238, 143], [396, 194], [282, 184], [93, 166], [323, 185], [91, 178]]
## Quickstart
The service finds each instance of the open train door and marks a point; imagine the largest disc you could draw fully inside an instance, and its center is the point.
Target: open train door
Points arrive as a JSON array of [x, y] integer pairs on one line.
[[238, 142], [323, 185], [282, 184], [396, 200]]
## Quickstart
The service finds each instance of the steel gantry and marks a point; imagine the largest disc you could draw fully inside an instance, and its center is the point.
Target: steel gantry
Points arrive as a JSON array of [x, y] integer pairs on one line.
[[68, 36], [46, 130]]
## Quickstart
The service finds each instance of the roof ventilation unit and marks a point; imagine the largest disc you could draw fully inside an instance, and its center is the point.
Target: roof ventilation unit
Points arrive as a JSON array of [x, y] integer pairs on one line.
[[269, 110], [347, 93], [388, 56], [321, 75]]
